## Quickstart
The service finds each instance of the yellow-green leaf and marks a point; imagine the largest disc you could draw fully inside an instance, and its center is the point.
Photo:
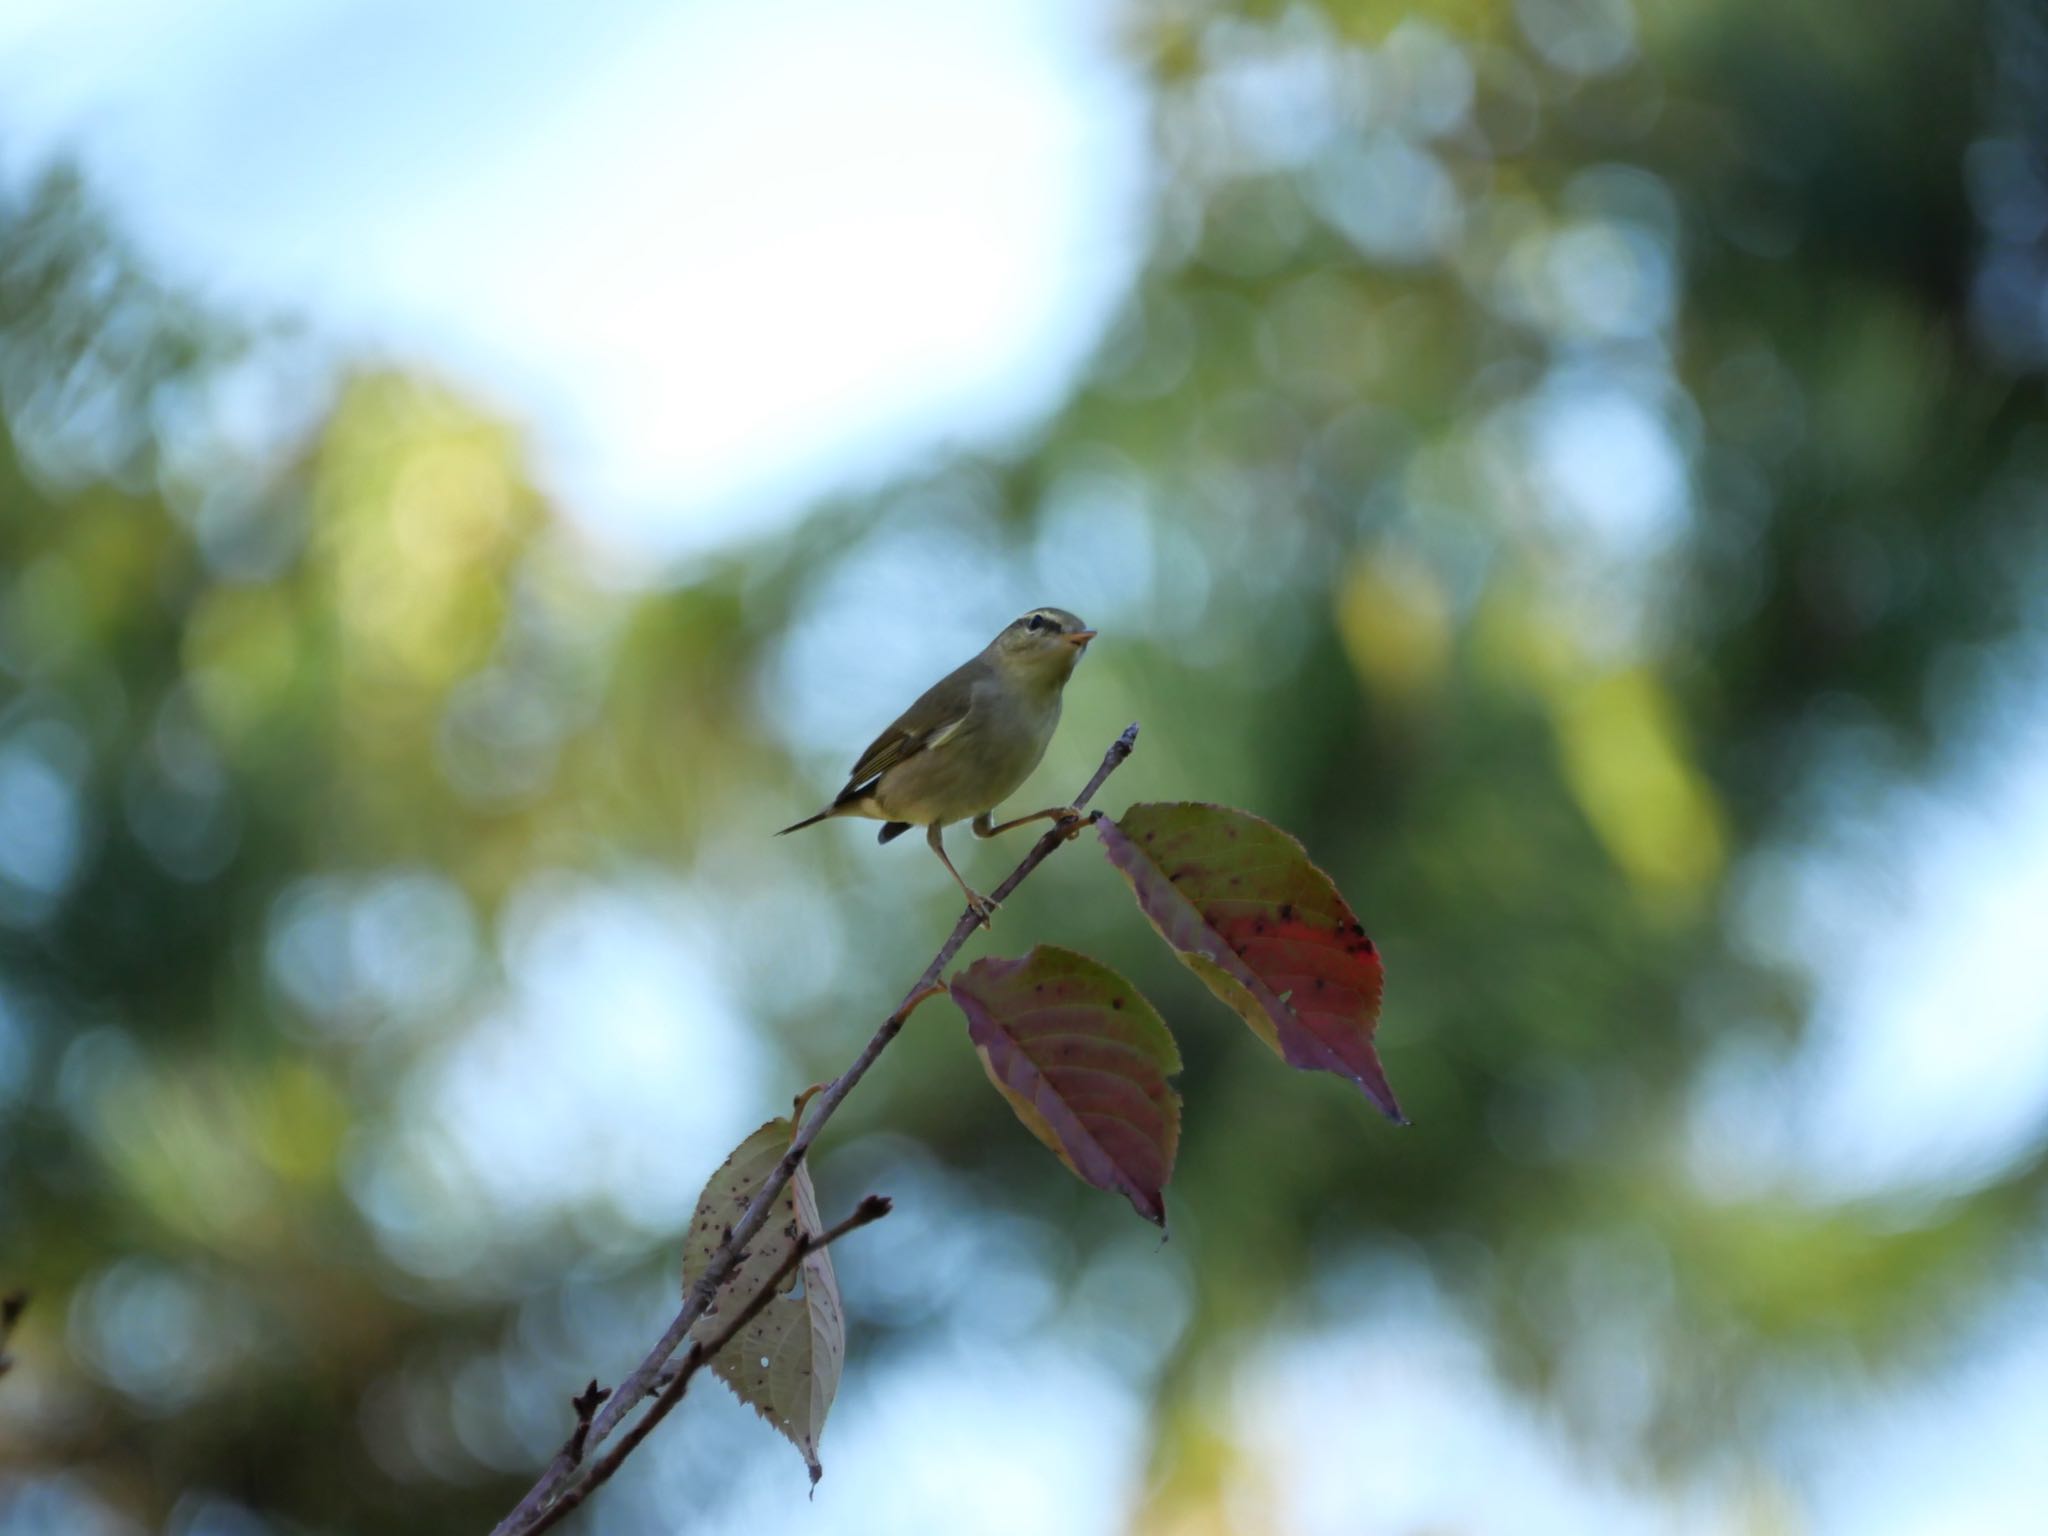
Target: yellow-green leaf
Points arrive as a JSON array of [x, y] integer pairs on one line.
[[786, 1362]]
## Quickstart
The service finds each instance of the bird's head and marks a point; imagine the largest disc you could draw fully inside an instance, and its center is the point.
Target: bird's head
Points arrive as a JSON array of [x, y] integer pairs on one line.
[[1042, 645]]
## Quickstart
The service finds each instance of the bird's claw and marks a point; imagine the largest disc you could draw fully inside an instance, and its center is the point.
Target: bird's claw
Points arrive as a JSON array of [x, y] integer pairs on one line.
[[983, 909], [1070, 822]]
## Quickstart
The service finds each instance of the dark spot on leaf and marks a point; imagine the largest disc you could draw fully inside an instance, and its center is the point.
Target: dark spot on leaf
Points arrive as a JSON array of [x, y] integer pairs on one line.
[[1286, 911], [1116, 1002]]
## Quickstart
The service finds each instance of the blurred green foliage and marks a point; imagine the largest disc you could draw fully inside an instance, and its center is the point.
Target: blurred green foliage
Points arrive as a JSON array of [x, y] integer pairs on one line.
[[1547, 444]]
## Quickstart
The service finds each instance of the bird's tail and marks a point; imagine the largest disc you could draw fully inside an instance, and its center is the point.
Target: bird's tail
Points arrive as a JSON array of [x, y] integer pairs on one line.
[[808, 821]]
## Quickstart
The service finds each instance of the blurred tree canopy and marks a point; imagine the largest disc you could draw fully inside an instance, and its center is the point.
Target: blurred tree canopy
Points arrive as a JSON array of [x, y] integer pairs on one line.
[[1555, 454]]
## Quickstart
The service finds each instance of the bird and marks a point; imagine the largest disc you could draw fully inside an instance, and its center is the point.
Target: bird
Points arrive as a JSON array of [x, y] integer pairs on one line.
[[968, 742]]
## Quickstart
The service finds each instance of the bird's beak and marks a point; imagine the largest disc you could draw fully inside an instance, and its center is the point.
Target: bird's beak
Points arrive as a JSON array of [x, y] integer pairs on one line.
[[1079, 637]]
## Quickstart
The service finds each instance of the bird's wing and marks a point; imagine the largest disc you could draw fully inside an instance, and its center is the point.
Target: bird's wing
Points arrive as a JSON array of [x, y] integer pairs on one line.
[[938, 713]]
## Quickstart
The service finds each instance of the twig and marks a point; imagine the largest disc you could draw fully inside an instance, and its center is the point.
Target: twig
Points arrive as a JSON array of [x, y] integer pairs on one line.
[[637, 1385], [585, 1403], [12, 1305], [873, 1208]]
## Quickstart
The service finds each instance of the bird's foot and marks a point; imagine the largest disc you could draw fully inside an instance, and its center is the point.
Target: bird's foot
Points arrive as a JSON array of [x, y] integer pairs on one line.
[[983, 909], [1070, 821]]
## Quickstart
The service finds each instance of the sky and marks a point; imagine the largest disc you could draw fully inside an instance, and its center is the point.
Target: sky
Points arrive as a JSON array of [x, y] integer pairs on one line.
[[721, 257], [724, 258]]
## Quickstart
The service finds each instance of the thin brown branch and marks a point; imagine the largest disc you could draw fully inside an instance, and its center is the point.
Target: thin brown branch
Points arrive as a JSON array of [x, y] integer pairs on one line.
[[873, 1208], [637, 1385]]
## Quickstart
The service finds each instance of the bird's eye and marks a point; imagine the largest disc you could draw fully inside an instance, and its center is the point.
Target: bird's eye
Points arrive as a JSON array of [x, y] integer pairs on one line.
[[1037, 621]]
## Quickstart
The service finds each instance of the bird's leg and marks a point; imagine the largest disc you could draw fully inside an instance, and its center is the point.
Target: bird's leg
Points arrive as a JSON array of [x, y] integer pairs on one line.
[[1071, 821], [978, 904]]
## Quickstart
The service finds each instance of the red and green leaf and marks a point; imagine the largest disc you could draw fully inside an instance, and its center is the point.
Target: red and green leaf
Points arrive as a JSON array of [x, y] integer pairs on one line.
[[786, 1362], [1083, 1060], [1242, 905]]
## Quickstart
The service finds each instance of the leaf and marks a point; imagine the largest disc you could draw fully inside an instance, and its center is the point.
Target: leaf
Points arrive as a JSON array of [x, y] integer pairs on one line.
[[786, 1362], [1239, 901], [1083, 1060]]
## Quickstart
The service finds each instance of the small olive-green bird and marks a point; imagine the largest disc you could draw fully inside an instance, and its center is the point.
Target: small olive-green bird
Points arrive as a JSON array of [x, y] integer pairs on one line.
[[973, 737]]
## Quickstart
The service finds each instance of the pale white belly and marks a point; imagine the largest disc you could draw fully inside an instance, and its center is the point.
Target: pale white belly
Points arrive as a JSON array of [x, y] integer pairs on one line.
[[969, 772]]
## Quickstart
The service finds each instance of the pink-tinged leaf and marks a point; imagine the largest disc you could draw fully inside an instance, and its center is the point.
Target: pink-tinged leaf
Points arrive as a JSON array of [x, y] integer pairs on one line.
[[1241, 904], [786, 1362], [1083, 1060]]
